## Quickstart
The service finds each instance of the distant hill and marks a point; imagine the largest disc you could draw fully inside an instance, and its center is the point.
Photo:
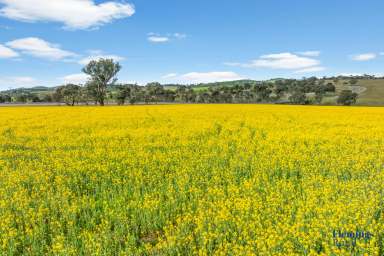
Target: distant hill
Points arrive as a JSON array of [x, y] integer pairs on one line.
[[372, 93], [36, 89]]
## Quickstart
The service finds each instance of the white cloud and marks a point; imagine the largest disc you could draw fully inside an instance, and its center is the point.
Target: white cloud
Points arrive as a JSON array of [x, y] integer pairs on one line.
[[74, 14], [310, 53], [350, 74], [283, 61], [17, 81], [364, 57], [158, 39], [39, 48], [171, 75], [179, 35], [98, 55], [280, 61], [382, 53], [197, 77], [310, 70], [6, 52], [204, 77], [80, 78]]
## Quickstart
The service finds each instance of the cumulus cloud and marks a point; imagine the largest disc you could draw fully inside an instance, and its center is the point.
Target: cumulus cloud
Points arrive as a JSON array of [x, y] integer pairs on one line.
[[203, 77], [283, 61], [74, 14], [6, 52], [39, 48], [364, 57], [79, 78], [279, 61]]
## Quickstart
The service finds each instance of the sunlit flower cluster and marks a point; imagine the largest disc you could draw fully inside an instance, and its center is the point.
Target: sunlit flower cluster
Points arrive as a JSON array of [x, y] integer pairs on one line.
[[191, 180]]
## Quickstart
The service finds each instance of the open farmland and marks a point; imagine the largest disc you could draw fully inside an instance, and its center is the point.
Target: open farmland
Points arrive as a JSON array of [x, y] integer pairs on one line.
[[191, 180], [370, 91]]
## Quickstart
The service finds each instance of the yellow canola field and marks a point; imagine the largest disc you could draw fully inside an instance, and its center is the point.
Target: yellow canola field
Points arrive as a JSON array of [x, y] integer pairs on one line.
[[192, 180]]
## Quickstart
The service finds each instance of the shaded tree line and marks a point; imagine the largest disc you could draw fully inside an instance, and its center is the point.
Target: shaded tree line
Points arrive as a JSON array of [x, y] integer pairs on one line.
[[102, 88], [288, 92]]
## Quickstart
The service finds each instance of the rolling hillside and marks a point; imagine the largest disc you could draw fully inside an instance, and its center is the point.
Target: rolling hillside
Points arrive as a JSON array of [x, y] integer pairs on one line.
[[374, 93], [371, 91]]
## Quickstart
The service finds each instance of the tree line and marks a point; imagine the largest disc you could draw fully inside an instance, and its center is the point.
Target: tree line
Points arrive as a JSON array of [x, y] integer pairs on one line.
[[102, 88]]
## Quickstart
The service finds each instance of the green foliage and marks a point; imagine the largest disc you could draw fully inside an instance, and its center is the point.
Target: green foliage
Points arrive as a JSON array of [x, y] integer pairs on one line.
[[123, 92], [103, 73], [5, 98], [353, 81], [347, 98], [69, 93], [330, 87], [298, 98], [316, 91]]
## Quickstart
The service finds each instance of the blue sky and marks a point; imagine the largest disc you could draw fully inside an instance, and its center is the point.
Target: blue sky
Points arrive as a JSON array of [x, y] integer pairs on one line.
[[45, 42]]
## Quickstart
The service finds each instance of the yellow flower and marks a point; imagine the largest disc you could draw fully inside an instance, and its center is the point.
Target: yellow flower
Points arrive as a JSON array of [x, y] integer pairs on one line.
[[191, 180]]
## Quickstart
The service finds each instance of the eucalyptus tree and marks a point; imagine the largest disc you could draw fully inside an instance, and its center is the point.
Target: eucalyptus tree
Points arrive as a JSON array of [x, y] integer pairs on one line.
[[70, 93], [102, 74]]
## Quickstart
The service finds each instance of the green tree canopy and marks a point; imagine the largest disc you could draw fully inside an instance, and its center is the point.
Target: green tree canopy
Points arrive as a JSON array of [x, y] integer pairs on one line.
[[102, 73]]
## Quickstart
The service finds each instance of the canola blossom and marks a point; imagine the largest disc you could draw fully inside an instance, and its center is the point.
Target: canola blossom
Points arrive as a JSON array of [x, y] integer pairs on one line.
[[192, 180]]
